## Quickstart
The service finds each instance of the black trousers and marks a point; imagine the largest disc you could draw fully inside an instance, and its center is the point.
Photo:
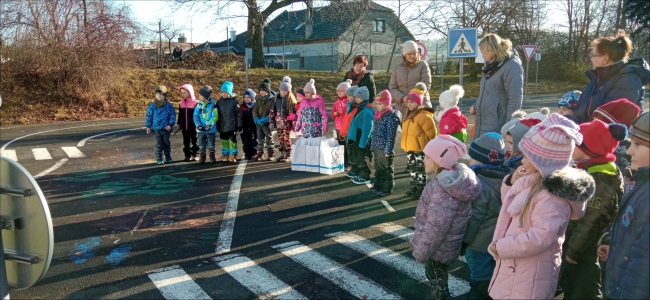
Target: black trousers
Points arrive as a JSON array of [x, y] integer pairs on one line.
[[581, 281], [384, 171], [346, 151], [358, 160], [190, 145], [249, 141], [438, 276]]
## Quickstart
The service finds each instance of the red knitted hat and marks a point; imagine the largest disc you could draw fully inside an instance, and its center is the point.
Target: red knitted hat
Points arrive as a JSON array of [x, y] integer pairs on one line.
[[618, 111], [597, 143]]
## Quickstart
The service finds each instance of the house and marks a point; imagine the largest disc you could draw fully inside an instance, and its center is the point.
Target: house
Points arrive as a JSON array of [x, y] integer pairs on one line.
[[149, 52], [328, 38]]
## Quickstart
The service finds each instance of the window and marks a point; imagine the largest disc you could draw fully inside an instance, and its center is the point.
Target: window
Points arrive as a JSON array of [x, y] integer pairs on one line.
[[380, 26]]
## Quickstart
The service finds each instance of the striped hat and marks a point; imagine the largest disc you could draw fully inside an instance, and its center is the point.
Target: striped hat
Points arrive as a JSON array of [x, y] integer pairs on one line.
[[618, 111], [640, 130], [488, 149], [549, 145]]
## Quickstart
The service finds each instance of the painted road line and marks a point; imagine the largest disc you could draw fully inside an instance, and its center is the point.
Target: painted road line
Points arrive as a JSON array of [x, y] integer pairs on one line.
[[349, 280], [11, 154], [174, 283], [399, 262], [402, 233], [41, 154], [255, 278], [73, 152], [51, 169], [228, 223], [390, 209], [83, 142], [369, 185]]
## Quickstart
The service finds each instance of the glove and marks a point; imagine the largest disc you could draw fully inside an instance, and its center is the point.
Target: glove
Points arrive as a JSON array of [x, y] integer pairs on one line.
[[207, 128], [463, 248], [291, 117], [264, 120], [257, 121], [200, 128]]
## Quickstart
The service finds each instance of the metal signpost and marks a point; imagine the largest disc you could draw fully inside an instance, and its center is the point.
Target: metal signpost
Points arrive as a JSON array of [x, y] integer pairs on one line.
[[538, 57], [463, 43], [26, 237], [528, 51]]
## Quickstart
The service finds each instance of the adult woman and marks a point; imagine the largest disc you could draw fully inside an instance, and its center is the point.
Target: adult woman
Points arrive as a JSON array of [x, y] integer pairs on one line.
[[501, 91], [405, 75], [360, 77], [613, 76]]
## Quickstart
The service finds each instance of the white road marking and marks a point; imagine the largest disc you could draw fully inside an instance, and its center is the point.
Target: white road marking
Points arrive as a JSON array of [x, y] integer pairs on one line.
[[121, 138], [390, 208], [228, 222], [73, 152], [174, 283], [54, 167], [255, 278], [403, 264], [41, 154], [11, 154], [83, 142], [369, 185], [349, 280]]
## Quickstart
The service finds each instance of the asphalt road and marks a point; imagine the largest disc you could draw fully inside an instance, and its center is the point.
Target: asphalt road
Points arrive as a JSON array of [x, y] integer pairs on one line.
[[127, 228]]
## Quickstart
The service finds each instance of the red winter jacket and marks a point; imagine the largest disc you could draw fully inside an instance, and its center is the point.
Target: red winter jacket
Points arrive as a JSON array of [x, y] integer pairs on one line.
[[452, 121]]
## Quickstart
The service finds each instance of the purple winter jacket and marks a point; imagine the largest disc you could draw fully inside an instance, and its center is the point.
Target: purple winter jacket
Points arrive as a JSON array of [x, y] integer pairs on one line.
[[442, 214]]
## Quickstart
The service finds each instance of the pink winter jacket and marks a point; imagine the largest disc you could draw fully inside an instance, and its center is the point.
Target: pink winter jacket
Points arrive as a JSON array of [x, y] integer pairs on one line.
[[530, 248], [339, 106], [319, 103]]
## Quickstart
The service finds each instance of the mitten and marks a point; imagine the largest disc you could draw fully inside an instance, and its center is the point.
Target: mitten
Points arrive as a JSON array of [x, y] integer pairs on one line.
[[264, 120], [257, 121], [200, 128], [208, 127]]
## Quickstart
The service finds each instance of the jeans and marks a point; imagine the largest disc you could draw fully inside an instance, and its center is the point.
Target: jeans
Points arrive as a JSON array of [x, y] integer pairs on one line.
[[264, 135], [481, 267], [162, 144], [190, 146], [384, 171], [438, 275], [228, 143], [206, 140]]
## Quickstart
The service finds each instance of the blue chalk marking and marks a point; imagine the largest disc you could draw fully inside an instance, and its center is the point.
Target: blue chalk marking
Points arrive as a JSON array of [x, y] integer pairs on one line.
[[118, 254], [83, 250]]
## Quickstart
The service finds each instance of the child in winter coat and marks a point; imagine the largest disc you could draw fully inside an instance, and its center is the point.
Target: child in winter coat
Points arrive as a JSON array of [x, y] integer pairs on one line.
[[282, 115], [249, 132], [350, 111], [382, 143], [205, 119], [443, 211], [538, 200], [487, 154], [186, 121], [358, 137], [418, 128], [568, 103], [161, 118], [512, 138], [516, 116], [340, 105], [628, 257], [450, 118], [261, 115], [312, 115], [580, 272], [230, 122]]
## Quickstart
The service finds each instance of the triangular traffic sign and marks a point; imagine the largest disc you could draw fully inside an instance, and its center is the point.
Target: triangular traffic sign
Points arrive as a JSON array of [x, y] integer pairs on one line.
[[529, 50], [462, 45]]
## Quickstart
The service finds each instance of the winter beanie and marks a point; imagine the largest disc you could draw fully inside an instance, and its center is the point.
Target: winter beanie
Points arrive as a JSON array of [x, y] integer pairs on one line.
[[520, 129], [206, 91], [488, 149], [516, 116], [161, 89], [417, 93], [310, 86], [640, 129], [542, 114], [227, 87], [549, 145], [618, 111], [569, 100], [409, 46], [345, 85], [599, 145], [445, 150], [250, 93], [384, 97], [265, 85], [362, 93], [449, 98], [286, 84], [350, 91]]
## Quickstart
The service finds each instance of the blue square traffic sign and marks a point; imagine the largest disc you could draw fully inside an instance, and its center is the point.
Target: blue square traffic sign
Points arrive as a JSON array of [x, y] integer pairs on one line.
[[462, 42]]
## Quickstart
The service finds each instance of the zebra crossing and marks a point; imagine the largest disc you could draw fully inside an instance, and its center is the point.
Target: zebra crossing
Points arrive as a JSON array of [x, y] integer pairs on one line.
[[42, 153], [174, 283]]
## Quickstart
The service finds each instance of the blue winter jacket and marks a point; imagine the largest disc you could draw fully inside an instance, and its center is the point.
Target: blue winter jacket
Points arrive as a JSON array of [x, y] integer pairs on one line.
[[606, 84], [206, 114], [384, 132], [160, 117], [628, 261], [361, 125]]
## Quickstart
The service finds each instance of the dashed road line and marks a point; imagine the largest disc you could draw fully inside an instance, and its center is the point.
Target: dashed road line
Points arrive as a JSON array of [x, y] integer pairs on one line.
[[228, 223]]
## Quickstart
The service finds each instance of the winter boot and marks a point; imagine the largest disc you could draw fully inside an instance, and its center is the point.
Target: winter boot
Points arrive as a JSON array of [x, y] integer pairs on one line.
[[283, 156], [412, 191], [193, 157], [213, 159], [202, 157], [187, 158], [233, 158], [225, 158], [271, 157]]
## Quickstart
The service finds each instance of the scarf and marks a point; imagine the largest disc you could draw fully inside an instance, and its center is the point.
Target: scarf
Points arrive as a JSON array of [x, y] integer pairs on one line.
[[361, 106], [379, 114], [161, 103], [490, 68], [250, 105], [356, 78]]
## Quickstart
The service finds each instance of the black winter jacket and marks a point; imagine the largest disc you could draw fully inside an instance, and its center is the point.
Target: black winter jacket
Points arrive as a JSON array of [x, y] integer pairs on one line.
[[230, 117]]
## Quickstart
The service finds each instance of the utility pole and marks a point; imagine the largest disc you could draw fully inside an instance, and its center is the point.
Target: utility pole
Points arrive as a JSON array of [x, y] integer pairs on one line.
[[228, 44], [160, 53], [284, 58]]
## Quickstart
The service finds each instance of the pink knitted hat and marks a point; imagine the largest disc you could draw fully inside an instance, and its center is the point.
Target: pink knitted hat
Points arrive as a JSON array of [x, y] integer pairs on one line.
[[345, 85], [445, 150], [549, 145], [384, 97], [417, 93], [310, 86]]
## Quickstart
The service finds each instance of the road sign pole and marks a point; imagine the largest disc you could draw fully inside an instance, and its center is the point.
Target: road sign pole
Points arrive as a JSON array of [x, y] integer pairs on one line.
[[460, 81], [4, 286], [526, 81], [536, 73]]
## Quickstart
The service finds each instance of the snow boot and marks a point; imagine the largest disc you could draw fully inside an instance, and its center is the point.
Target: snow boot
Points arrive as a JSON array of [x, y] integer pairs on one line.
[[213, 159], [202, 157]]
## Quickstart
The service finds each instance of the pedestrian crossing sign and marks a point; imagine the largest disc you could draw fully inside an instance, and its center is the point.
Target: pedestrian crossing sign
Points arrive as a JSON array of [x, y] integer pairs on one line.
[[462, 42]]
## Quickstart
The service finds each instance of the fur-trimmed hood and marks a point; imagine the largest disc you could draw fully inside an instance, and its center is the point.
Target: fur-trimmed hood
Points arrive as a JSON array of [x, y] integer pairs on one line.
[[574, 185], [460, 182]]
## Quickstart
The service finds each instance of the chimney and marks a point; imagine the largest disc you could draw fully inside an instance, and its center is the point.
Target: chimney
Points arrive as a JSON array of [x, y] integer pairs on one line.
[[233, 35], [182, 38], [309, 24]]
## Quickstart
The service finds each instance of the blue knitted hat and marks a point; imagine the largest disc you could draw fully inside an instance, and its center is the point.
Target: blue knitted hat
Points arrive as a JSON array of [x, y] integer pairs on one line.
[[227, 87], [488, 149], [569, 100]]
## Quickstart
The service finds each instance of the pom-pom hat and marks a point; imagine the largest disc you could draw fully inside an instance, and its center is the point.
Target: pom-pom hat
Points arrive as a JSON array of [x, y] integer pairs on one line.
[[345, 85], [286, 84], [310, 87], [597, 143], [417, 93], [265, 85], [520, 129], [618, 111], [450, 98], [384, 97]]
